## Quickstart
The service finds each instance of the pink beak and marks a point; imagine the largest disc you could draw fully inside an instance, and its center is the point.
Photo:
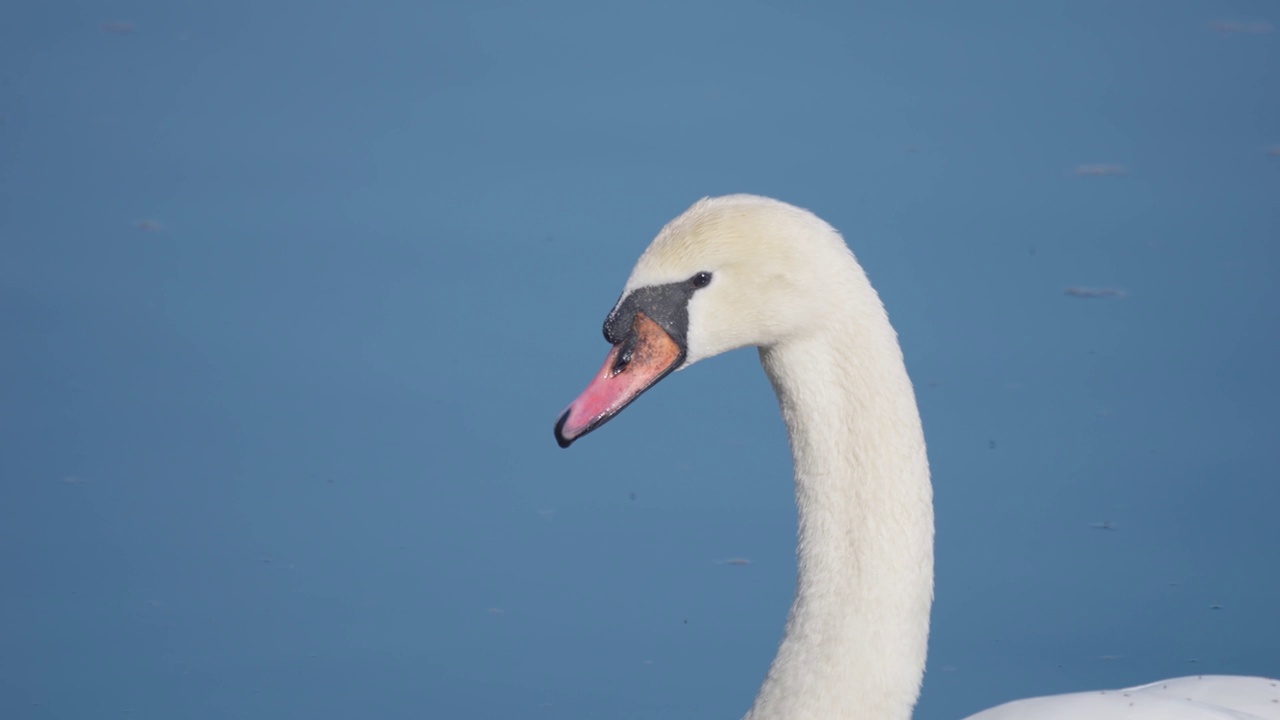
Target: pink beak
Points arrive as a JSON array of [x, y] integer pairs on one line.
[[645, 356]]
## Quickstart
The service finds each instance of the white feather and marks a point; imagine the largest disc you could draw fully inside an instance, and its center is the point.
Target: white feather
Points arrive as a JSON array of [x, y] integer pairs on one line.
[[857, 634]]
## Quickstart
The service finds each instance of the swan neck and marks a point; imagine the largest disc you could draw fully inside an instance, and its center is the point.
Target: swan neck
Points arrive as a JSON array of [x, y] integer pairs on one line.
[[857, 633]]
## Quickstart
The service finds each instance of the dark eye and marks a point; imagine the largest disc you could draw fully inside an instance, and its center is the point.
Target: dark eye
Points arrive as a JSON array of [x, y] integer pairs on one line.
[[700, 280]]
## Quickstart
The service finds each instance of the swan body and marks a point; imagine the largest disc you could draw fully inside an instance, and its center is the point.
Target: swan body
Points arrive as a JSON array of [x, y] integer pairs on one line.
[[1200, 697], [742, 271]]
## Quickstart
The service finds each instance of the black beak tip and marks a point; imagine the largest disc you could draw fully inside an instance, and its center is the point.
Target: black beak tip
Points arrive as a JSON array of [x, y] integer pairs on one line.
[[561, 440]]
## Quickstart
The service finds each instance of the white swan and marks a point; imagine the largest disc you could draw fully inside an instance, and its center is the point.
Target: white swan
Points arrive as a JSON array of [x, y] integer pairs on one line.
[[745, 270]]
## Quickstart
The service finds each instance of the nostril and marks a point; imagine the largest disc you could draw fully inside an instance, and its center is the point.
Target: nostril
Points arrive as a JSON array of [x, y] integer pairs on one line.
[[625, 355], [623, 360]]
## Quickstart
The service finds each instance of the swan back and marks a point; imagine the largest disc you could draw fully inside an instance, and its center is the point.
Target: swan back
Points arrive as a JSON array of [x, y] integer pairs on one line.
[[1200, 697]]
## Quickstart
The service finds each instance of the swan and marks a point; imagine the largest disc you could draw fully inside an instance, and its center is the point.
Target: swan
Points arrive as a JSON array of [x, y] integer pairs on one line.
[[744, 270]]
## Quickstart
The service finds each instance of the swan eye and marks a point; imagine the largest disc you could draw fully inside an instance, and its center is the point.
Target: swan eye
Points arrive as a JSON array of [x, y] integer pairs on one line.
[[700, 280]]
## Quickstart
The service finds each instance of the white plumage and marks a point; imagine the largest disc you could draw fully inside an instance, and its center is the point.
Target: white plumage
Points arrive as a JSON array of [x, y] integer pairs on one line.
[[856, 637]]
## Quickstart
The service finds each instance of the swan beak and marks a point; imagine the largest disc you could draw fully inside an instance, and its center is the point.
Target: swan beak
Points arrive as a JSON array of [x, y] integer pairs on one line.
[[644, 356]]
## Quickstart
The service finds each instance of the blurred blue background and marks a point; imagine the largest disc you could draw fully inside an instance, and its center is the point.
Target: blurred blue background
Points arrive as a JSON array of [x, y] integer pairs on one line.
[[291, 295]]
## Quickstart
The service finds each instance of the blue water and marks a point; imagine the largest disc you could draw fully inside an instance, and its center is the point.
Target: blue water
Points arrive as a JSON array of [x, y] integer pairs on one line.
[[291, 295]]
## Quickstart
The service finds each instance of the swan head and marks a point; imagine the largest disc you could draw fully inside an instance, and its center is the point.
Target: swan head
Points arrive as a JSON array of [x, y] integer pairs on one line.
[[730, 272]]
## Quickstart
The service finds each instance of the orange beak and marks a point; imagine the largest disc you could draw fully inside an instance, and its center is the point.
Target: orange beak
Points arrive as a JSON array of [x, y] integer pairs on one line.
[[643, 357]]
